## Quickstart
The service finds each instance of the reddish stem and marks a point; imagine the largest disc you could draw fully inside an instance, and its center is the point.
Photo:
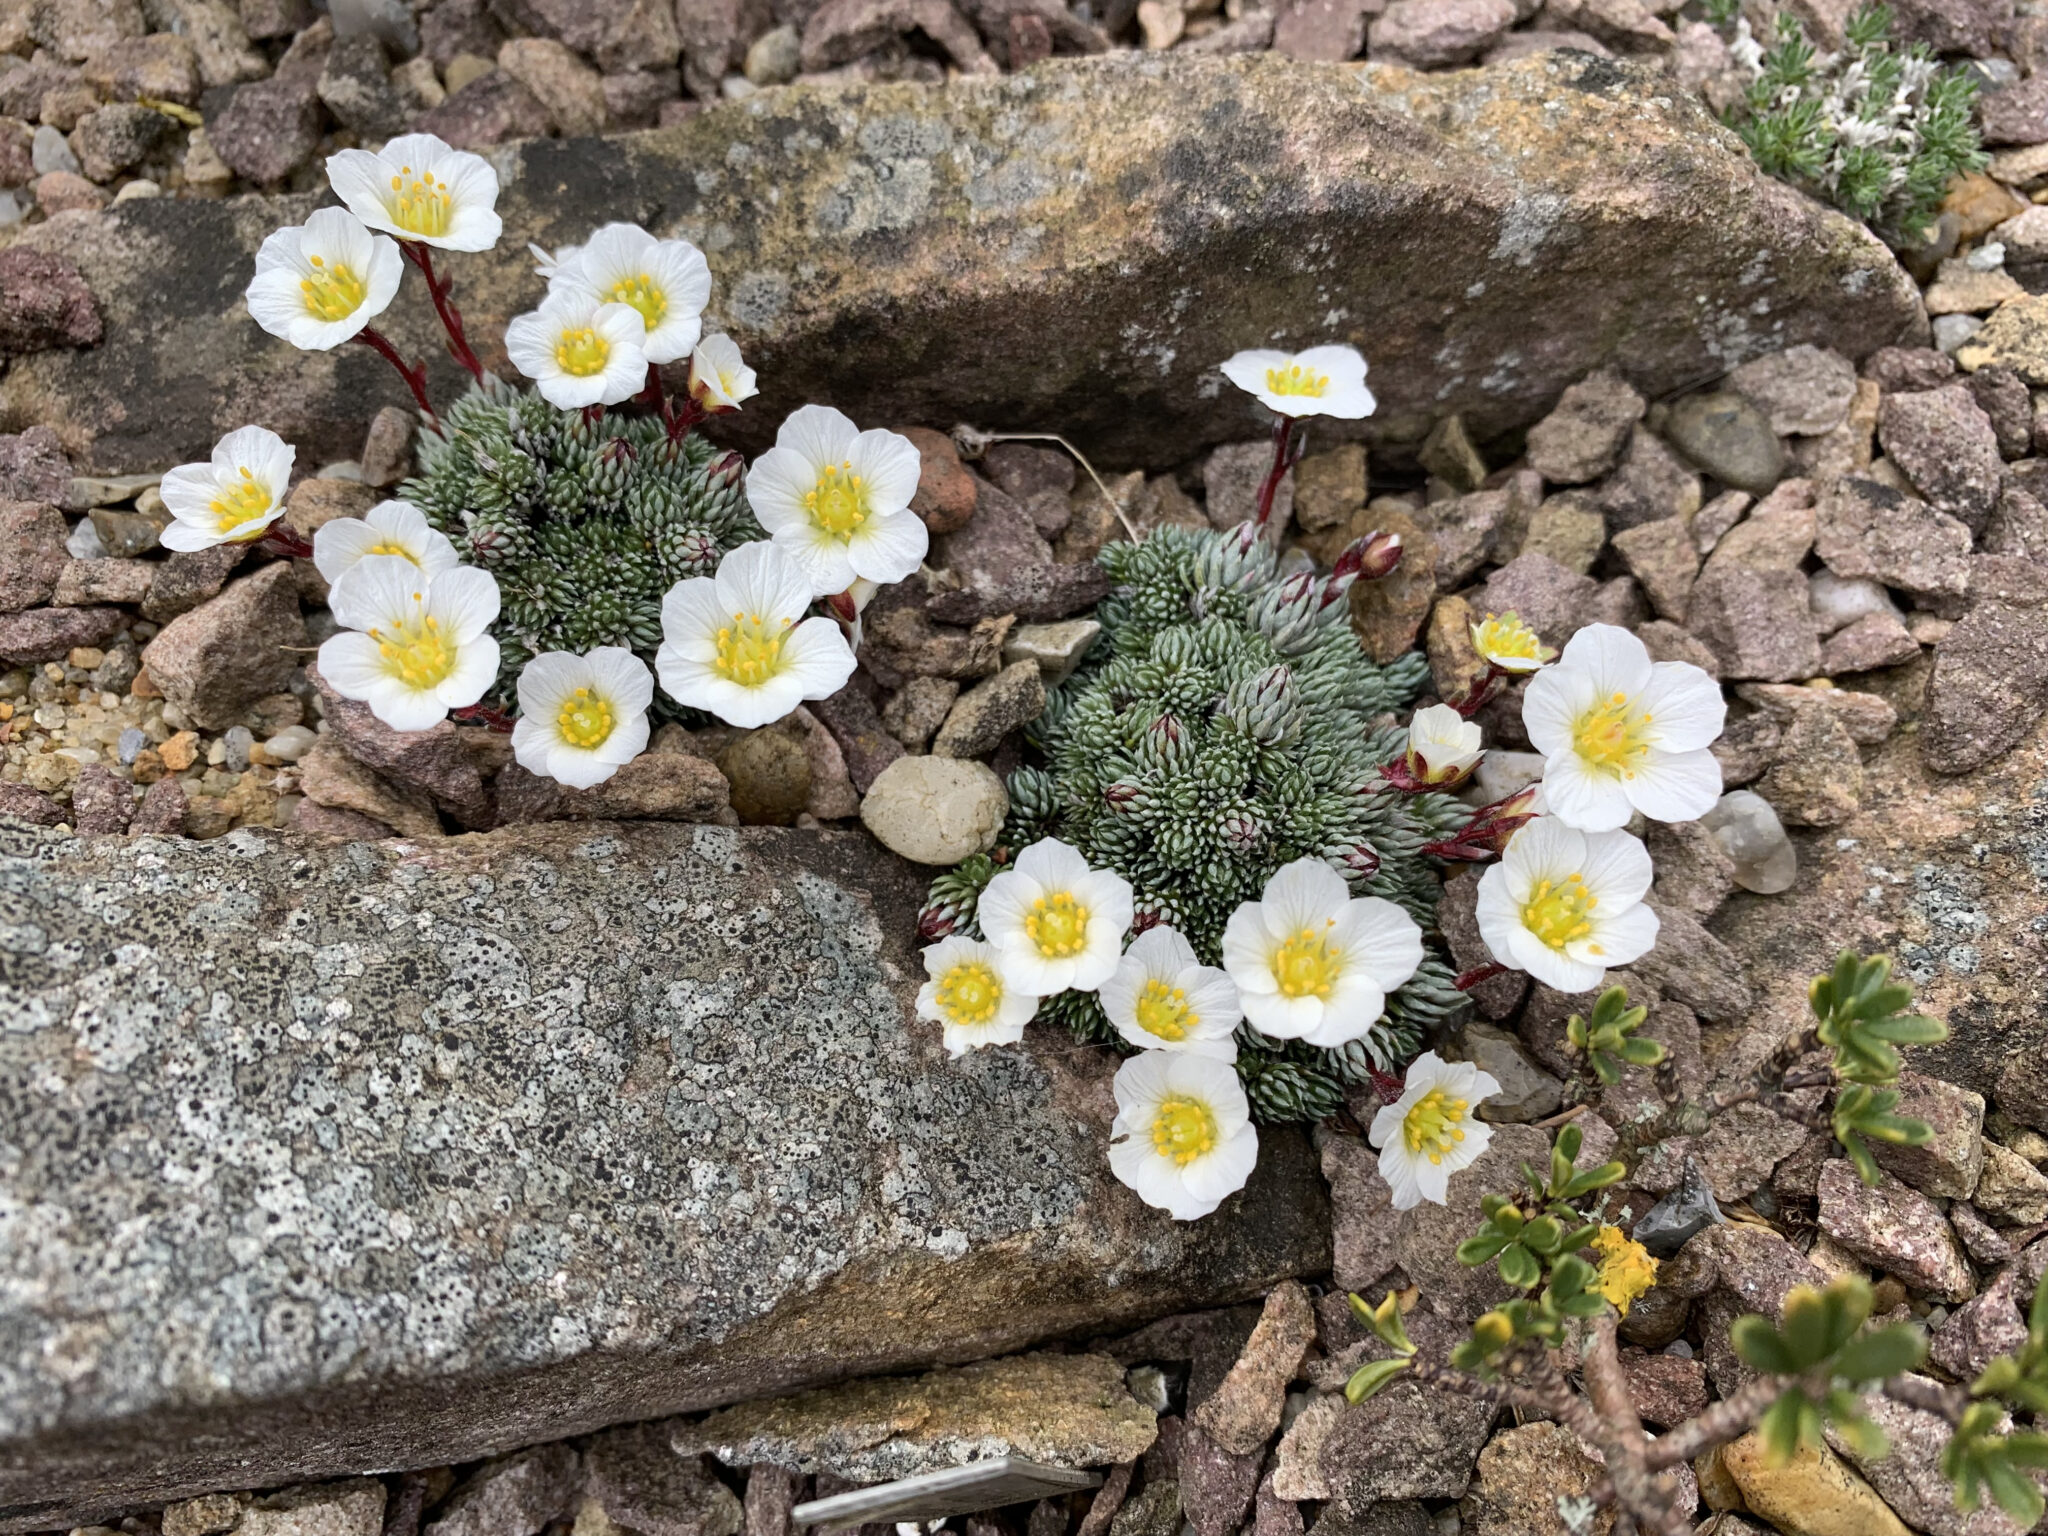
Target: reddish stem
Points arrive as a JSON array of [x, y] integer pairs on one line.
[[1483, 692], [414, 374], [451, 318], [497, 720], [280, 540], [1285, 451], [1477, 974], [683, 415]]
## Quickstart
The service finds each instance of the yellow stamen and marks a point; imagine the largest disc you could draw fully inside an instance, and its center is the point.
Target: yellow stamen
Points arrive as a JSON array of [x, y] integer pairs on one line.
[[1308, 965], [416, 652], [970, 993], [1163, 1010], [1557, 913], [1058, 925], [332, 292], [643, 294], [1612, 736], [585, 719], [582, 352], [1504, 637], [421, 204], [1297, 380], [1435, 1124], [750, 649], [838, 503], [1183, 1130], [243, 502], [388, 548]]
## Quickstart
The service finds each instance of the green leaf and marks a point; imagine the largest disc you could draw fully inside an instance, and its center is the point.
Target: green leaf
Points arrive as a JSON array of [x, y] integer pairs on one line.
[[1475, 1251], [1518, 1267], [1882, 1353], [1592, 1179], [1370, 1377], [1542, 1235], [1757, 1342], [1806, 1330], [1785, 1426]]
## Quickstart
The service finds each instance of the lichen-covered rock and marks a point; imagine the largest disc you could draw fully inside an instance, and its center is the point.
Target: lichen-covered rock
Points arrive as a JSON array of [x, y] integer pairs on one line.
[[850, 226], [399, 1081], [1895, 1228]]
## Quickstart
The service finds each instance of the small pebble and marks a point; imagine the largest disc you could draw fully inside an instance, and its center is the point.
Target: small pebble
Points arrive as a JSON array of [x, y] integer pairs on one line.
[[130, 746], [11, 211], [236, 744], [138, 189], [84, 543], [290, 744], [1749, 831], [1988, 257], [51, 151], [1951, 331]]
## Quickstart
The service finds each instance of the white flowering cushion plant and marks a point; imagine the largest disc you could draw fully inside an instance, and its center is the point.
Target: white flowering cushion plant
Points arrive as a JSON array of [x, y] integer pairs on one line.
[[1323, 381], [421, 190], [413, 649], [1504, 641], [579, 350], [968, 997], [1620, 733], [582, 718], [318, 284], [1056, 922], [1565, 905], [1162, 998], [838, 499], [389, 528], [738, 645], [1443, 746], [666, 282], [1183, 1136], [234, 497], [1432, 1130], [1312, 962]]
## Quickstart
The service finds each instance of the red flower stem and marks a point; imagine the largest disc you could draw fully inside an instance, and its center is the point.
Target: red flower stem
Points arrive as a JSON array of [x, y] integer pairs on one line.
[[684, 416], [451, 318], [1284, 445], [414, 374], [1483, 692], [1477, 974]]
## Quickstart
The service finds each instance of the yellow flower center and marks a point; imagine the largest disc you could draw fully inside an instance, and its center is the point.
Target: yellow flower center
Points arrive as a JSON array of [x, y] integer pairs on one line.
[[1183, 1130], [418, 654], [1435, 1124], [1163, 1011], [1058, 925], [1557, 913], [644, 295], [386, 547], [421, 204], [1297, 380], [1504, 637], [332, 292], [750, 650], [239, 503], [1610, 736], [585, 720], [1626, 1268], [970, 993], [1308, 964], [838, 503], [582, 352]]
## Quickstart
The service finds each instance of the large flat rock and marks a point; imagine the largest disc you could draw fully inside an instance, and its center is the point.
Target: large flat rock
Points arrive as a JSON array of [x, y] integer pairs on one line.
[[1070, 249], [318, 1159]]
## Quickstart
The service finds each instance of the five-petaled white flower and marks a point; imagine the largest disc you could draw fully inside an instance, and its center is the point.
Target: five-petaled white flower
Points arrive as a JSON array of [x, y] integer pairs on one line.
[[666, 282], [319, 283], [1442, 745], [1323, 381], [1430, 1132], [720, 380], [419, 188], [388, 528], [413, 649], [969, 997], [838, 499], [234, 497], [1311, 961], [1163, 999], [1183, 1136], [581, 718], [578, 350], [1055, 922], [1565, 905], [1620, 733], [738, 644], [1508, 643]]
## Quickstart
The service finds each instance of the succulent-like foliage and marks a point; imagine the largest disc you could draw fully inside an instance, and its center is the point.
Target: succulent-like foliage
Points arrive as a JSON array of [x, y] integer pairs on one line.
[[1876, 131], [585, 520], [1609, 1039], [1226, 723]]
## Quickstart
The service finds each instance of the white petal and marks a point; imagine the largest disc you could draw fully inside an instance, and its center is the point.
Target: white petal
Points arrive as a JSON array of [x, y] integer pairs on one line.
[[1551, 707], [1053, 865], [817, 658], [1617, 868], [820, 434], [475, 670], [1675, 786], [351, 663], [1685, 706], [1247, 952], [464, 600], [1380, 940], [760, 578], [890, 465], [1303, 894], [1613, 659], [888, 547], [1591, 802], [1619, 938]]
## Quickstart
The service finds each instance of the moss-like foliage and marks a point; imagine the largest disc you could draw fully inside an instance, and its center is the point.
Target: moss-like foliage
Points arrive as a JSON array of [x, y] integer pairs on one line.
[[1875, 130], [1226, 723], [585, 522]]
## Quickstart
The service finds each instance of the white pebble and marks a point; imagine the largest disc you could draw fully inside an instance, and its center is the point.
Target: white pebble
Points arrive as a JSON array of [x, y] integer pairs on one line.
[[51, 151], [290, 744], [84, 542], [1839, 601], [1749, 832], [1951, 331]]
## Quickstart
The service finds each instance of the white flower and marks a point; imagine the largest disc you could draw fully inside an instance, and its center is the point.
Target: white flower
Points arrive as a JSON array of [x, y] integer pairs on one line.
[[1314, 963], [968, 997], [733, 644], [578, 351], [1430, 1132], [582, 718], [1565, 905], [1323, 381], [549, 264], [319, 283], [1183, 1136], [1504, 640], [666, 282], [719, 379], [1056, 922], [1163, 999], [232, 499], [838, 499], [1620, 733], [388, 528], [1442, 744], [413, 649], [419, 188]]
